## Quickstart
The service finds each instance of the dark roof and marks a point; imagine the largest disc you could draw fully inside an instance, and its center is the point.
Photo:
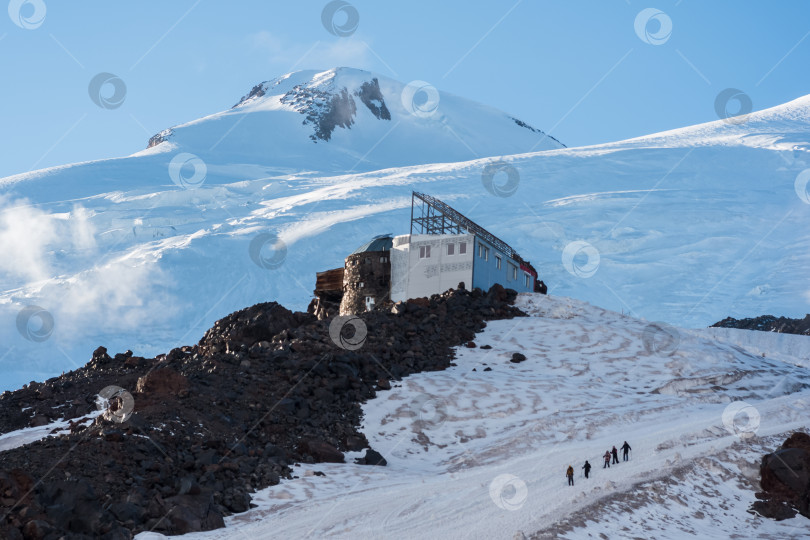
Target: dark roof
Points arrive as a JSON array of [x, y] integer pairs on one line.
[[383, 242]]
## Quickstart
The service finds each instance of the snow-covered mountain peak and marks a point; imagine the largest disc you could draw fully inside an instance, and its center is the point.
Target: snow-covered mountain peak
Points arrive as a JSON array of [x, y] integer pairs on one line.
[[330, 81], [346, 119]]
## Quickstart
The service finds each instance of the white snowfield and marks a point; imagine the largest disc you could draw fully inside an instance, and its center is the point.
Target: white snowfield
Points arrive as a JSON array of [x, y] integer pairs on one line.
[[690, 226], [483, 454]]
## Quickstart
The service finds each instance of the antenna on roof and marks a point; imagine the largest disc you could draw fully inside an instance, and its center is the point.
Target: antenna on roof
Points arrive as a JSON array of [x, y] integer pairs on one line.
[[429, 215]]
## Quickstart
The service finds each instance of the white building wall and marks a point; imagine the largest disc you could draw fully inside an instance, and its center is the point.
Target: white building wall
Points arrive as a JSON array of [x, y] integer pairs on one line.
[[414, 277]]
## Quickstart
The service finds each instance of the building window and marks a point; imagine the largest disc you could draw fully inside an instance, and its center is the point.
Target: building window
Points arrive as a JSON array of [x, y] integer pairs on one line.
[[451, 249], [424, 252], [361, 285], [462, 248], [498, 262], [369, 303], [486, 253], [514, 273], [368, 260], [383, 259], [528, 281]]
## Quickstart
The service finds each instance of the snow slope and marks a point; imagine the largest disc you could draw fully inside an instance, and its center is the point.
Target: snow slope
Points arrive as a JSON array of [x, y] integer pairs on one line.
[[482, 454], [785, 347], [690, 226]]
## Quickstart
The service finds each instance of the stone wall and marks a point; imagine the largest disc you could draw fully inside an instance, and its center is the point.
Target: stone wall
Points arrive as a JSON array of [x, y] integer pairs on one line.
[[366, 275]]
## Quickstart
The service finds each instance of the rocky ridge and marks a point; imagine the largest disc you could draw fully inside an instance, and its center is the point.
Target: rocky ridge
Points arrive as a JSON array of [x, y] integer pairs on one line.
[[769, 323], [198, 429]]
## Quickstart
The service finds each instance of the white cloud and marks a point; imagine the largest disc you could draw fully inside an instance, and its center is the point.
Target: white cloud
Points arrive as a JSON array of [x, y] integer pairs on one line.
[[26, 238], [266, 42], [118, 296], [81, 229], [290, 56], [31, 240]]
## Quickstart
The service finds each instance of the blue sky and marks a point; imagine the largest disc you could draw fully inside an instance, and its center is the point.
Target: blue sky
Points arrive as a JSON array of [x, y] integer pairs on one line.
[[576, 69]]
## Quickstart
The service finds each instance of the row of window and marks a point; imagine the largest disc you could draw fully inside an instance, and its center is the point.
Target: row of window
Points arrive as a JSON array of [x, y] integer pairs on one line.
[[424, 251], [382, 282], [367, 260], [483, 253]]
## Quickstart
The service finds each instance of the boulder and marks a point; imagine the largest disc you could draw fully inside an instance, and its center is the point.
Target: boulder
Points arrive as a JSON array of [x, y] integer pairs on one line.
[[785, 479], [162, 382], [786, 471], [517, 358], [321, 451], [37, 529], [191, 513], [774, 509], [372, 457]]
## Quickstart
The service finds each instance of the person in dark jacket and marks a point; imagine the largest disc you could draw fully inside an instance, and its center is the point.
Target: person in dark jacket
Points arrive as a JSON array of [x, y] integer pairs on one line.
[[625, 449], [587, 468], [570, 474], [615, 455], [607, 460]]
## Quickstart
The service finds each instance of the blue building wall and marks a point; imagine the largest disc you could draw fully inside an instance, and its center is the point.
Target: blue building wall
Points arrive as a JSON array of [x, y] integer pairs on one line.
[[486, 272]]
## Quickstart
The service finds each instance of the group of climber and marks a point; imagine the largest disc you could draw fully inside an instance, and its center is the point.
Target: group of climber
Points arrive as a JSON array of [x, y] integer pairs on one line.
[[614, 453]]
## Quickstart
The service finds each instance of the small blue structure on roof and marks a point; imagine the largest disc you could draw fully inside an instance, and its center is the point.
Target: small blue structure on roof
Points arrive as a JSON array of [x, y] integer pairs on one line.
[[382, 242]]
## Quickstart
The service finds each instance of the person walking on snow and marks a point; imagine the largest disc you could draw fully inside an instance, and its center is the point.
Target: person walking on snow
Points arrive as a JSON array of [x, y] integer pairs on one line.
[[625, 448], [607, 460], [587, 468], [570, 474], [615, 455]]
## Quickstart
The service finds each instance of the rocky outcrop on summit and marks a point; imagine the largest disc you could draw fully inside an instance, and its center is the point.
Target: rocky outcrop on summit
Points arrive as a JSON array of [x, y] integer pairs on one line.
[[523, 124], [327, 110], [263, 389], [371, 95], [163, 136], [769, 323]]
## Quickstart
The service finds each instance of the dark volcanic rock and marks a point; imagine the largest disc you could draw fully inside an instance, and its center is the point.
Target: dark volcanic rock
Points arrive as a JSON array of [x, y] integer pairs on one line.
[[322, 451], [371, 96], [769, 323], [250, 326], [189, 513], [517, 358], [163, 136], [327, 110], [785, 479], [255, 92], [162, 382], [213, 422], [372, 457]]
